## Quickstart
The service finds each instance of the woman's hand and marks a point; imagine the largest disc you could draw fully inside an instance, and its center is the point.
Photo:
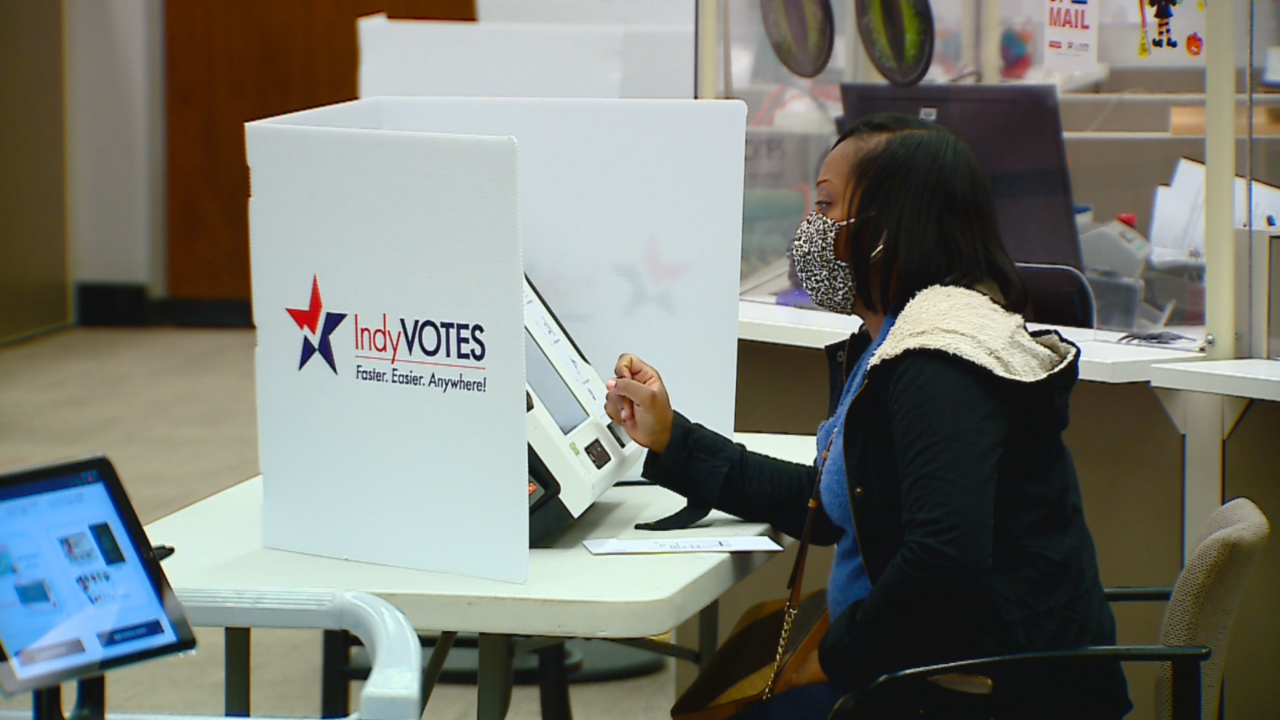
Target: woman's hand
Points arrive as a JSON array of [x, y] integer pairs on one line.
[[638, 402], [809, 673]]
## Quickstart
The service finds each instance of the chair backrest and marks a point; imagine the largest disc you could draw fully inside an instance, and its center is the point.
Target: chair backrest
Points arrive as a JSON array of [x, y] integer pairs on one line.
[[1058, 295], [1207, 594]]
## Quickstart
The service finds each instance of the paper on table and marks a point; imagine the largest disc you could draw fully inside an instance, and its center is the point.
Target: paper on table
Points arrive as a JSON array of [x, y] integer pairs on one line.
[[614, 546], [1178, 211], [1166, 222]]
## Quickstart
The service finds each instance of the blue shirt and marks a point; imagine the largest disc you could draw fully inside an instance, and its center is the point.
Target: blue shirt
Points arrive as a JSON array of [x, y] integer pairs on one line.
[[848, 582]]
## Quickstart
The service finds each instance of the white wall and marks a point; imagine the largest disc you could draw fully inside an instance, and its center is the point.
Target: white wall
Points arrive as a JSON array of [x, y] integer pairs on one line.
[[115, 141]]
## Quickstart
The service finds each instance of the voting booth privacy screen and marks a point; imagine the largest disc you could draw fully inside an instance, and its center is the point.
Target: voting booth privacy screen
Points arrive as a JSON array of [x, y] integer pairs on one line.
[[389, 239], [631, 218], [673, 14], [560, 59], [80, 589], [390, 363]]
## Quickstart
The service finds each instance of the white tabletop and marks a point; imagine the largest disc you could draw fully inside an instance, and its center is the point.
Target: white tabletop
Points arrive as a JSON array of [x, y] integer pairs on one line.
[[783, 325], [569, 593], [1251, 378], [1113, 362], [1102, 357]]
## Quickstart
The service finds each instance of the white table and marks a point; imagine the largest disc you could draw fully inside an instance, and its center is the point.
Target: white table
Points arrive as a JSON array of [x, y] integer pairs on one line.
[[1206, 400], [1102, 358], [782, 325], [570, 593], [1107, 361], [1253, 378]]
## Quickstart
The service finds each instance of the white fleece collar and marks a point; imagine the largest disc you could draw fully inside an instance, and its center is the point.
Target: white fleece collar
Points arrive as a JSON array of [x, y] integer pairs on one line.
[[969, 325]]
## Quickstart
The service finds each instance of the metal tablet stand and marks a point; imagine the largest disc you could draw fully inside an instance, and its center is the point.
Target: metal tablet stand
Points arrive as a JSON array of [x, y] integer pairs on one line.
[[91, 696]]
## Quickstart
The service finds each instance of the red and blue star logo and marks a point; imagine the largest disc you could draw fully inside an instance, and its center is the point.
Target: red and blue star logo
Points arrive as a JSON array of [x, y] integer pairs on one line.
[[309, 320]]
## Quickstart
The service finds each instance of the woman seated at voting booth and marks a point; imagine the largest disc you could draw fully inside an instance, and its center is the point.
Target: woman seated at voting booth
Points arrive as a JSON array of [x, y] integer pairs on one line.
[[941, 477]]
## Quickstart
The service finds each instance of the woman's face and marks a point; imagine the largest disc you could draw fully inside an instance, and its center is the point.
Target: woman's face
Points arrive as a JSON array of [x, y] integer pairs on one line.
[[834, 191], [833, 198]]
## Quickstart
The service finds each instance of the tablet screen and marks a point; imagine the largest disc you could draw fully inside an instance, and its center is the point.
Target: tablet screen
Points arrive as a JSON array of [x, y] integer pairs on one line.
[[76, 593]]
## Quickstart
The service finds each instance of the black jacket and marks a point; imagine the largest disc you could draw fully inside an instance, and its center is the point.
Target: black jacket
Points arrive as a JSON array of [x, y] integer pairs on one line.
[[965, 500]]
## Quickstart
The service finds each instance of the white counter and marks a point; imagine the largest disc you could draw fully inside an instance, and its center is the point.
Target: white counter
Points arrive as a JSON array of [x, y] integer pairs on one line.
[[1255, 379], [1102, 359]]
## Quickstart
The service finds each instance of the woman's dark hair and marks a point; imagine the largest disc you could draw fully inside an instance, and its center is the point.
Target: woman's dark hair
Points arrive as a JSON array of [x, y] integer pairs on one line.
[[919, 188], [884, 123]]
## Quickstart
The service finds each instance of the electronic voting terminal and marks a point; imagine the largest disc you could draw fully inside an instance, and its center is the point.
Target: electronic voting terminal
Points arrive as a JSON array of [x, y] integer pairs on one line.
[[575, 451]]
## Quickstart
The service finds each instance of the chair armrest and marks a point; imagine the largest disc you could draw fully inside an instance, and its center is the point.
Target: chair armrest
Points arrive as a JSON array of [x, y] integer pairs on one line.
[[1138, 594], [1185, 660]]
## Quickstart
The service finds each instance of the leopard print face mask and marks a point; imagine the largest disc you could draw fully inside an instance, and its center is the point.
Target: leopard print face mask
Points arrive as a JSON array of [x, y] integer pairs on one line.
[[826, 278]]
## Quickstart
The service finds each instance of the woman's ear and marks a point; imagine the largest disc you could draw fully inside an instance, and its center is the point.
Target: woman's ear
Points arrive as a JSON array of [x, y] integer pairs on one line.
[[844, 238]]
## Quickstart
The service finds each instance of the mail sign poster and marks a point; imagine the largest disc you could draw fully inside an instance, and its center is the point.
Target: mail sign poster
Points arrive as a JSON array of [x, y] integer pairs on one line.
[[387, 281], [1071, 35]]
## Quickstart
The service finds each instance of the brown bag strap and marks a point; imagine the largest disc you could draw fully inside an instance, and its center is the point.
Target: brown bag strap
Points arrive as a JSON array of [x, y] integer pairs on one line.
[[797, 570], [797, 576]]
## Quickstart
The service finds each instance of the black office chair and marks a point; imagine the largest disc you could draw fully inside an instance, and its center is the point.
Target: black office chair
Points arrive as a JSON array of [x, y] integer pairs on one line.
[[1058, 295]]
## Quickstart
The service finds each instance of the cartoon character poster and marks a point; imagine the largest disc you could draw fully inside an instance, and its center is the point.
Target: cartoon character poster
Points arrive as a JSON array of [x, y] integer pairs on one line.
[[1172, 32]]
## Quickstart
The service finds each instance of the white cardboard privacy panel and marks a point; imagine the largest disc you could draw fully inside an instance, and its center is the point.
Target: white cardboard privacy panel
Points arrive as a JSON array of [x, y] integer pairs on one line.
[[496, 59], [390, 402], [631, 216], [670, 13], [631, 221], [658, 41], [438, 58], [658, 62]]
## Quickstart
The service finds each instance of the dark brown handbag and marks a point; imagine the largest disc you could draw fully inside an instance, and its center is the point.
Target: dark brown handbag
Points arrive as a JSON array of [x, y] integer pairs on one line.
[[770, 642]]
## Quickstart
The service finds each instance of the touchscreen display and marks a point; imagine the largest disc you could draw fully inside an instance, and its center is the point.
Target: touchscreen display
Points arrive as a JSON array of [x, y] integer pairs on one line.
[[551, 388], [73, 590]]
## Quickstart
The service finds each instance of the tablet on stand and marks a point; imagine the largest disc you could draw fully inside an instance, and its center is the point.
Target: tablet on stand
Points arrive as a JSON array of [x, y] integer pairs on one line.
[[81, 590]]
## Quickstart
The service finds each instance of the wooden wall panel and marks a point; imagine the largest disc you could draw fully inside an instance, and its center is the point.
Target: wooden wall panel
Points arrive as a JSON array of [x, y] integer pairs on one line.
[[33, 228], [231, 61]]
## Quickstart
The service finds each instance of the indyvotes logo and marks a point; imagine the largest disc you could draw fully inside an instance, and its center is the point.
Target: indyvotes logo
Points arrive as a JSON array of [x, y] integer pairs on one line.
[[309, 321], [428, 353]]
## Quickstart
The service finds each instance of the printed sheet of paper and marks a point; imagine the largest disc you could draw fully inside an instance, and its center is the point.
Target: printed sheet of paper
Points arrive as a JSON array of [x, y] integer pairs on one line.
[[1177, 218], [613, 546]]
